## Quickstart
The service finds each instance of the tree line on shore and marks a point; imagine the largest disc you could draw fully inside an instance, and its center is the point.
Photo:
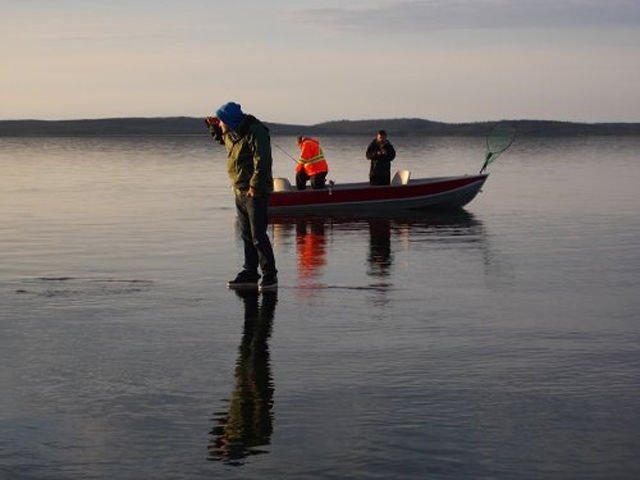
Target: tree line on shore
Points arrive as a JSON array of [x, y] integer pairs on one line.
[[394, 127]]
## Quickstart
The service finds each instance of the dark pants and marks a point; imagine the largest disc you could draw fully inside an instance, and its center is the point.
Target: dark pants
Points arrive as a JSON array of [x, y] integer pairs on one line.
[[252, 215], [380, 173], [317, 180]]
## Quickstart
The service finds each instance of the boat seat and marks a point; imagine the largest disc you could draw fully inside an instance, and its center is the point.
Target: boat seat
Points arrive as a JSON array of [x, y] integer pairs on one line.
[[281, 185], [401, 177]]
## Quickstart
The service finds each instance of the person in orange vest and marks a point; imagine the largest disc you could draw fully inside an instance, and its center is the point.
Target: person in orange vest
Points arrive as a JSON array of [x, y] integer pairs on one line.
[[311, 164]]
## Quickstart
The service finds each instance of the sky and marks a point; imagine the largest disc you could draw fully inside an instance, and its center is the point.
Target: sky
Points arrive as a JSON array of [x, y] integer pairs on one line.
[[305, 62]]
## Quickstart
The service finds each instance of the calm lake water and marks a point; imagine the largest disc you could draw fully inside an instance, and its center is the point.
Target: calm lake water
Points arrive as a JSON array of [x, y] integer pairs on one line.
[[498, 342]]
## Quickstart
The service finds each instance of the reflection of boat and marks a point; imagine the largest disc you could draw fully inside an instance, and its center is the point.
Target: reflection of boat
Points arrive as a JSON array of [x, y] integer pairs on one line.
[[397, 241], [381, 225], [457, 219], [438, 193]]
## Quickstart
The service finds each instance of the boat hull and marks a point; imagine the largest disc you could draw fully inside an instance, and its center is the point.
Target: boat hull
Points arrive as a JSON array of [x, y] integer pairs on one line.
[[419, 194]]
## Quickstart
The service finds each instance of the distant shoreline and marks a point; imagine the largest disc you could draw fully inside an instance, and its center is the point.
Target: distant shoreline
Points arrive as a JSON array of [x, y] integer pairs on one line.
[[395, 127]]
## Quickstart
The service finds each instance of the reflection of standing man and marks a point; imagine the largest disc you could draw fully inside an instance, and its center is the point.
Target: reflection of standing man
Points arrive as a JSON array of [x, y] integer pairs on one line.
[[381, 153], [248, 423], [379, 247]]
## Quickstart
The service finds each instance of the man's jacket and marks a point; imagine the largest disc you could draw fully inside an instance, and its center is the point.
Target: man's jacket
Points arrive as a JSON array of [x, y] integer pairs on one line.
[[249, 156]]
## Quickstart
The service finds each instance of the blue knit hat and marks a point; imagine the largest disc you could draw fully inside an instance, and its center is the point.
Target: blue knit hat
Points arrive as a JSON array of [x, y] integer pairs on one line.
[[231, 114]]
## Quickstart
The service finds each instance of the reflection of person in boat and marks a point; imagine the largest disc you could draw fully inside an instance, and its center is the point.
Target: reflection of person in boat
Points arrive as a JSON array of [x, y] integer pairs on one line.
[[381, 153], [248, 423], [311, 165], [380, 258], [310, 242]]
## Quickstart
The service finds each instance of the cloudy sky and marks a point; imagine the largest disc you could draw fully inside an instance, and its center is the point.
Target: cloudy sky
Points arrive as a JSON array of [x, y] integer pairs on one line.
[[311, 61]]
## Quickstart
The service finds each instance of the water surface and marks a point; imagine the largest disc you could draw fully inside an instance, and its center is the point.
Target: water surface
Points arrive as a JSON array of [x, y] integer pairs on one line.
[[497, 342]]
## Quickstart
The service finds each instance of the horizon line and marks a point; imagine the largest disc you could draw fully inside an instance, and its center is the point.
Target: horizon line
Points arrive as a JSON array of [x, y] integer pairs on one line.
[[87, 119]]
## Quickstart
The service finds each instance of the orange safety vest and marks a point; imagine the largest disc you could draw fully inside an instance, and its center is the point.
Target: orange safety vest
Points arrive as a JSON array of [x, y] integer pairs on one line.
[[311, 158]]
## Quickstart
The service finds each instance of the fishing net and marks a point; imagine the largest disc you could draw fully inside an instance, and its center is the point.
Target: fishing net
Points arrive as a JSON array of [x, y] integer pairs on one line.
[[500, 138]]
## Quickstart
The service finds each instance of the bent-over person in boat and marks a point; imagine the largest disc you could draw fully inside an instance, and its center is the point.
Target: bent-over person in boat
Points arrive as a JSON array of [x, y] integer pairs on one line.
[[311, 165]]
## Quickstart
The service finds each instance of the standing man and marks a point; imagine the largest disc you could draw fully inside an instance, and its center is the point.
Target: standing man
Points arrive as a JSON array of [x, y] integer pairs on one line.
[[311, 164], [381, 153], [249, 164]]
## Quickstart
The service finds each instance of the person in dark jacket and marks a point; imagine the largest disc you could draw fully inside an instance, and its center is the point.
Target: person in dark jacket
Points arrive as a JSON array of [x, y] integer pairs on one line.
[[381, 153], [249, 165]]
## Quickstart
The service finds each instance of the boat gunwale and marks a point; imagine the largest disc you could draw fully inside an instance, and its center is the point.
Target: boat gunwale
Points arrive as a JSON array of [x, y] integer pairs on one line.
[[367, 186]]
